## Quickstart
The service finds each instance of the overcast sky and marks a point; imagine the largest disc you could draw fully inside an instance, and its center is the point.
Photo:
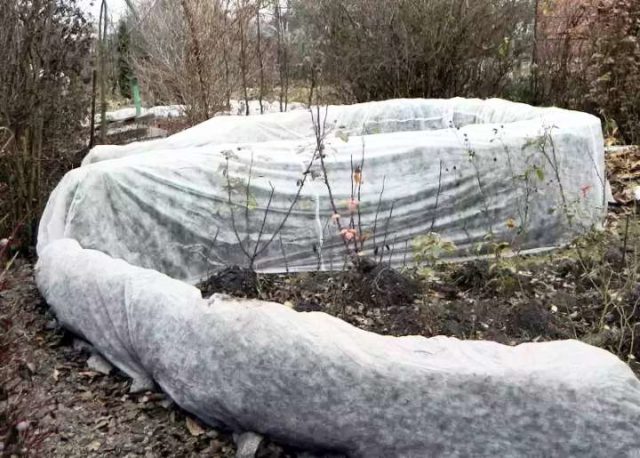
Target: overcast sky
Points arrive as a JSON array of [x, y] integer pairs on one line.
[[115, 8]]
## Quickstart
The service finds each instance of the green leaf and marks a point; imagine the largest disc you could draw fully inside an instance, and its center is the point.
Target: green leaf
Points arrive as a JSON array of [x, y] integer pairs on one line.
[[540, 173]]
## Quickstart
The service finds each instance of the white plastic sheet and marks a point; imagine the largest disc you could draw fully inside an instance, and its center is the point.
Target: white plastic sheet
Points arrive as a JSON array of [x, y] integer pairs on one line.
[[477, 172], [312, 380]]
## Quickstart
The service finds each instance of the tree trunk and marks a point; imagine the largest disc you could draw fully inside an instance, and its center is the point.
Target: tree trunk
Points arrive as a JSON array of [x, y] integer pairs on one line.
[[196, 52]]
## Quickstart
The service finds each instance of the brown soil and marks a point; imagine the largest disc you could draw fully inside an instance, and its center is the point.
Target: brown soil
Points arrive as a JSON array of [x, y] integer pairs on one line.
[[587, 293]]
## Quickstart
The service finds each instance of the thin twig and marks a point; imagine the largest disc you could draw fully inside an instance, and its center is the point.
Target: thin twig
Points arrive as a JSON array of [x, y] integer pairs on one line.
[[284, 255], [211, 247], [375, 220], [553, 162], [386, 230], [320, 133], [406, 249], [264, 221], [353, 197], [393, 248], [11, 136], [305, 174], [360, 179], [435, 209], [233, 217], [626, 237], [248, 193]]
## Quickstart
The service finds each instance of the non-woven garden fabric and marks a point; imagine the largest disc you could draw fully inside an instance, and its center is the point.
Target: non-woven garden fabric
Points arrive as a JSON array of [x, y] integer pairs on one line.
[[480, 173], [312, 380], [224, 129]]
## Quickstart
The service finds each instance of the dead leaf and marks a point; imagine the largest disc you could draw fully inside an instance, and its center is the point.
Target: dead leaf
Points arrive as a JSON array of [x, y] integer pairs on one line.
[[89, 374], [357, 176], [194, 427], [102, 423]]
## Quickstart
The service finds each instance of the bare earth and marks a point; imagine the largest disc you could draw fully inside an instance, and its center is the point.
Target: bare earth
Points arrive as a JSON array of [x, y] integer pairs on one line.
[[70, 410]]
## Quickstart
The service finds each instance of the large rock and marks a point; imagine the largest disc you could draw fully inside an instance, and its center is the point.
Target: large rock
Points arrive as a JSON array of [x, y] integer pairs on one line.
[[312, 380]]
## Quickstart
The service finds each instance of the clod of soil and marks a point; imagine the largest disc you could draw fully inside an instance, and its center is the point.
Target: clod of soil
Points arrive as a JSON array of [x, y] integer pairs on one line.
[[380, 285], [237, 281], [531, 319], [472, 274]]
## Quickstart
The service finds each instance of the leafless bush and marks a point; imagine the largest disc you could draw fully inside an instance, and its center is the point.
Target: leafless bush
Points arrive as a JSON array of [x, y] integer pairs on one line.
[[579, 54], [561, 53], [587, 57], [178, 51], [202, 52], [614, 70], [44, 48], [412, 48]]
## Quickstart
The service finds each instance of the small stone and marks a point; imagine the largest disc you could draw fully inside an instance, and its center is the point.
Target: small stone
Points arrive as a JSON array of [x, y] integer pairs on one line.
[[51, 325], [22, 426], [81, 346], [99, 364], [194, 427], [247, 444], [140, 385], [167, 403]]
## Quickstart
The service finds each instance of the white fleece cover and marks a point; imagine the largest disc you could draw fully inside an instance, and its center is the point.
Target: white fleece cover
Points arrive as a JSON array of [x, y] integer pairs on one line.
[[237, 107], [312, 380], [463, 168], [474, 171]]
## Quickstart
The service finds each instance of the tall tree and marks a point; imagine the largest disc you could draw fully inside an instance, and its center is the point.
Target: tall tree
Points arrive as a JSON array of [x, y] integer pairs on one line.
[[125, 74]]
